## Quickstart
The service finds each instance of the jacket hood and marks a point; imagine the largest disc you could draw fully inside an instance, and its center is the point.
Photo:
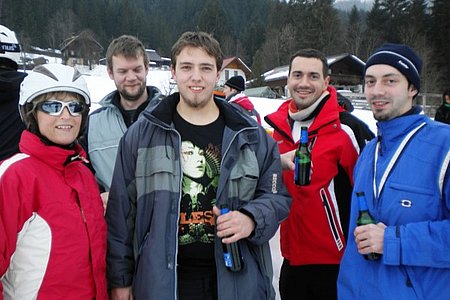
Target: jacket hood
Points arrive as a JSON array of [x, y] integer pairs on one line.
[[243, 101], [10, 85]]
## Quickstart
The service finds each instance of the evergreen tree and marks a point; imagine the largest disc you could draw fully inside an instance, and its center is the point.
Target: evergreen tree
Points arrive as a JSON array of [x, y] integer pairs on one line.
[[374, 32], [354, 32], [212, 19], [439, 37]]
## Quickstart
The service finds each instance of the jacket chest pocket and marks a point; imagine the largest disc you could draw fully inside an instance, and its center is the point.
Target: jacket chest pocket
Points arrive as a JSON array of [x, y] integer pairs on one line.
[[244, 177], [156, 174], [411, 203]]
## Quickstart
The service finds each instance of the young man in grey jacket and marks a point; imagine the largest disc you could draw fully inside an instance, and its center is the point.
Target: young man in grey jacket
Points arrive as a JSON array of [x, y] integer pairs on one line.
[[127, 65], [175, 166]]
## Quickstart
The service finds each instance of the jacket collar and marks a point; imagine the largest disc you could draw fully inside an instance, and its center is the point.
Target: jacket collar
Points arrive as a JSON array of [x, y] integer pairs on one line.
[[53, 156], [328, 114], [392, 131], [113, 97]]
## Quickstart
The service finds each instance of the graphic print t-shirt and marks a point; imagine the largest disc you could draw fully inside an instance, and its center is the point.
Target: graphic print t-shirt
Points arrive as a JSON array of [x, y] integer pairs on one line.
[[200, 161]]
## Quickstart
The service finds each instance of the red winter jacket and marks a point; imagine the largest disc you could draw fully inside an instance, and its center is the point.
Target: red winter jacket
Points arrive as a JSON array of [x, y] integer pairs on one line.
[[244, 104], [52, 230], [314, 231]]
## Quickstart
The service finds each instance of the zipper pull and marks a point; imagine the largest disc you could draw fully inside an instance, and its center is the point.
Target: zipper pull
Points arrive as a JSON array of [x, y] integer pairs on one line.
[[80, 157]]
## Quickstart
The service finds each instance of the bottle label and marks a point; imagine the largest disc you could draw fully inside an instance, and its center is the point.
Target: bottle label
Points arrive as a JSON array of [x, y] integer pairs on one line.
[[227, 259], [304, 158]]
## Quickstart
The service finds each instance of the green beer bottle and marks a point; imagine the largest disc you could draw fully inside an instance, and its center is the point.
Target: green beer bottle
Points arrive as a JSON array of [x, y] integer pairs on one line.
[[302, 173], [365, 218]]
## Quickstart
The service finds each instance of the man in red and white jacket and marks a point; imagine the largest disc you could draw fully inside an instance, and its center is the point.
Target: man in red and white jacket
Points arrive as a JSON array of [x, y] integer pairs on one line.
[[233, 94], [314, 234]]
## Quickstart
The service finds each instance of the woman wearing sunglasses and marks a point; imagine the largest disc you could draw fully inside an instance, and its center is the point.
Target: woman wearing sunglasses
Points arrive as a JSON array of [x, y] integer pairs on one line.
[[52, 231]]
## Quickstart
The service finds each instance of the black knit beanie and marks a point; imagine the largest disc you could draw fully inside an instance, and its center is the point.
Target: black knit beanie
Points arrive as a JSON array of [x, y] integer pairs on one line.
[[236, 82], [401, 57]]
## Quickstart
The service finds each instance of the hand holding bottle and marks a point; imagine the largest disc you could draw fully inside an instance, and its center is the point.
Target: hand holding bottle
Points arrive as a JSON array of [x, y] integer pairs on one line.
[[231, 250], [287, 160], [369, 236], [233, 226]]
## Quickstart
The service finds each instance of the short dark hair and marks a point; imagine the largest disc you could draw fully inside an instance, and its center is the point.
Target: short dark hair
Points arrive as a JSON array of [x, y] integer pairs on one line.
[[446, 93], [201, 40], [127, 45], [311, 53]]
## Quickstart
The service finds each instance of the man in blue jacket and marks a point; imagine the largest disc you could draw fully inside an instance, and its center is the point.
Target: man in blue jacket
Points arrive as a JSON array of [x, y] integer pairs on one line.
[[405, 177], [176, 165]]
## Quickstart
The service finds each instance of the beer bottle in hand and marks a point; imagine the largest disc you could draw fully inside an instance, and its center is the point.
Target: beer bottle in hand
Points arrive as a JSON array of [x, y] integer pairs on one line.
[[231, 252], [365, 218], [302, 173]]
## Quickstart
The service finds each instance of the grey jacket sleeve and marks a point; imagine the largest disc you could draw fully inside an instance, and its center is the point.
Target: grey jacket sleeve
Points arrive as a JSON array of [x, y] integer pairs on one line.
[[271, 203]]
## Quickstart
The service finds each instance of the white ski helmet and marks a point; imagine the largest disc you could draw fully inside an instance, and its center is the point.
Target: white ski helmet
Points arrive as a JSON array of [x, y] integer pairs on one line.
[[50, 78], [9, 46]]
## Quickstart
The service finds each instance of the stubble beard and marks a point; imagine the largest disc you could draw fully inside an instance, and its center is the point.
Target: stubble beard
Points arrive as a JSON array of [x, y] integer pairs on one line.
[[133, 97], [195, 102]]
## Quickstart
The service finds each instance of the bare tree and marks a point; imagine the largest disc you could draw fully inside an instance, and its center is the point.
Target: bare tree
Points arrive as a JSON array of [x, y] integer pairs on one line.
[[287, 43], [270, 51], [62, 25]]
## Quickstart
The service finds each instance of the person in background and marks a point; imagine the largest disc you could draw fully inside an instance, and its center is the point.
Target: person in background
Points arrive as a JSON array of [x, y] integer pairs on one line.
[[52, 228], [405, 177], [313, 236], [443, 112], [345, 102], [233, 89], [11, 126], [127, 65], [175, 166]]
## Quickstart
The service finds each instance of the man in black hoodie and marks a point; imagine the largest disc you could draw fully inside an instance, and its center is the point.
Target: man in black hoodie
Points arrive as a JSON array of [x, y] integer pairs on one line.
[[443, 112], [11, 125]]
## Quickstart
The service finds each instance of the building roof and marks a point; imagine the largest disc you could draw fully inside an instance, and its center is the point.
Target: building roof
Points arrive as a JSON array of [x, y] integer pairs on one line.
[[238, 64], [345, 66], [84, 35], [153, 55]]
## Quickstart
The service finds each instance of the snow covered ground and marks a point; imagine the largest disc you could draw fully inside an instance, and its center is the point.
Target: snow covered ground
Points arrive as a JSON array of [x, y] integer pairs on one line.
[[100, 84]]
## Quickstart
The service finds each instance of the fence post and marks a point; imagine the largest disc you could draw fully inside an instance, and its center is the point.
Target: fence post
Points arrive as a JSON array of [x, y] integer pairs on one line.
[[424, 103]]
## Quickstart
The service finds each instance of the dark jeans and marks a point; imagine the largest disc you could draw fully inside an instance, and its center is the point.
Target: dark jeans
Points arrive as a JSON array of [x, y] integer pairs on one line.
[[197, 286], [308, 282]]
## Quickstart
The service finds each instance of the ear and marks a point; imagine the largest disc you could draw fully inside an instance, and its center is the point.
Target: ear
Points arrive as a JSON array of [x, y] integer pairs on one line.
[[327, 81], [412, 91], [174, 74], [218, 76], [110, 73]]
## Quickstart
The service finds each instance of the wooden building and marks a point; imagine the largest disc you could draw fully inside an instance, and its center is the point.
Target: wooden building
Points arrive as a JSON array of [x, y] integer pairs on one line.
[[233, 66], [82, 49]]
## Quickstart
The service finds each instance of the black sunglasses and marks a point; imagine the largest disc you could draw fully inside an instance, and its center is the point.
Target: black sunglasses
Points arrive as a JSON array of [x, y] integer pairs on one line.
[[56, 107]]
